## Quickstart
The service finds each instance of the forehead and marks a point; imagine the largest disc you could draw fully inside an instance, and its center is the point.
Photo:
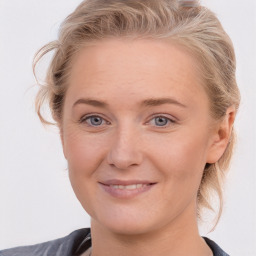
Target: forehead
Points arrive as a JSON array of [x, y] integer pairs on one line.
[[135, 67]]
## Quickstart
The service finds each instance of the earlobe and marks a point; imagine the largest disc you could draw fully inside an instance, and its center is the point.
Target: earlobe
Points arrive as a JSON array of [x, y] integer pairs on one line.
[[221, 136]]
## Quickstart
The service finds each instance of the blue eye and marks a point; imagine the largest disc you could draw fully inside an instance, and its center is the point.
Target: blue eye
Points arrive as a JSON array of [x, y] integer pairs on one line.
[[93, 120], [161, 121]]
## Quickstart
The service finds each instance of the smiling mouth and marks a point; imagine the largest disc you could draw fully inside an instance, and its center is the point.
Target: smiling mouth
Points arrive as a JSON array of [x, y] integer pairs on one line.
[[126, 189], [130, 187]]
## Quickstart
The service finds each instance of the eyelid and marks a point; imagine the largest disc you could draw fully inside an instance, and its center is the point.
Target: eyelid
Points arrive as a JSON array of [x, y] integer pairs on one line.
[[172, 120], [84, 118], [168, 116]]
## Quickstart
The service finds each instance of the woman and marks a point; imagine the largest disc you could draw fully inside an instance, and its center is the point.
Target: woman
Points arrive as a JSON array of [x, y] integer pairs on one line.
[[145, 97]]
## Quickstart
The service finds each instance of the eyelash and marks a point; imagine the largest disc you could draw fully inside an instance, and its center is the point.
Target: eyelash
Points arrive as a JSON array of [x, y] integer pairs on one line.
[[169, 121], [88, 117]]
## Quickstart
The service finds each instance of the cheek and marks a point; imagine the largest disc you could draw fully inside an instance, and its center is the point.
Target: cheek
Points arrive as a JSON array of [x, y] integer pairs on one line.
[[180, 150], [84, 153], [181, 159]]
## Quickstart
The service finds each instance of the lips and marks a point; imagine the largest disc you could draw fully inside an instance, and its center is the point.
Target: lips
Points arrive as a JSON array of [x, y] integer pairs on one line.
[[127, 184], [126, 188]]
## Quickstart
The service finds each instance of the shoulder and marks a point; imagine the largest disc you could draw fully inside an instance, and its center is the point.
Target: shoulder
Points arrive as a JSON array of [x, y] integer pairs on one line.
[[65, 246], [217, 251]]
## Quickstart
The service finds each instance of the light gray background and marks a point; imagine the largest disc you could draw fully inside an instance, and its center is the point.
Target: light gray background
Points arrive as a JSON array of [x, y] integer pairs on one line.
[[36, 200]]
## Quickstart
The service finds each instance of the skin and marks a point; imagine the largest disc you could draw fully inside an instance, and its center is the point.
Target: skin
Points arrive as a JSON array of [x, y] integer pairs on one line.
[[129, 142]]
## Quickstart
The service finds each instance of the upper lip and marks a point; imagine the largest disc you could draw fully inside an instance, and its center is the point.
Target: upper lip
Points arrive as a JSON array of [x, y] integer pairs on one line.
[[125, 182]]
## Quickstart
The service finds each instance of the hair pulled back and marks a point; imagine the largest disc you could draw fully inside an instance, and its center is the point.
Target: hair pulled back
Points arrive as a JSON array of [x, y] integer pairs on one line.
[[184, 22]]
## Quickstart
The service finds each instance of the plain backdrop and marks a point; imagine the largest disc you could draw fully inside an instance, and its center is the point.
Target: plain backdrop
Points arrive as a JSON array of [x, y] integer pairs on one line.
[[36, 200]]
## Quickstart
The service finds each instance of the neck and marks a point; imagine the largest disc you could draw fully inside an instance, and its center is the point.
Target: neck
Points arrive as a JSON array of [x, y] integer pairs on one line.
[[180, 237]]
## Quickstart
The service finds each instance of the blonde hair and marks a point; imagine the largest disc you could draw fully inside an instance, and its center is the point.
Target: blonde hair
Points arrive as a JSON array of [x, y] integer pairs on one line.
[[187, 23]]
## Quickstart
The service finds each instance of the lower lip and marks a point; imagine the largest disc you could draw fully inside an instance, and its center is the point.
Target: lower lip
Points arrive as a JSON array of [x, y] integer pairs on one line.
[[126, 193]]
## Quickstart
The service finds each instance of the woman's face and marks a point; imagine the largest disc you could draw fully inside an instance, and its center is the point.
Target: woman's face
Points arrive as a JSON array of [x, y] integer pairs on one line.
[[136, 134]]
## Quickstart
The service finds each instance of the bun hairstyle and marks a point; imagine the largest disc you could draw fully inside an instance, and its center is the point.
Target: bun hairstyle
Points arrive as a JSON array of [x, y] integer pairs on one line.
[[187, 23]]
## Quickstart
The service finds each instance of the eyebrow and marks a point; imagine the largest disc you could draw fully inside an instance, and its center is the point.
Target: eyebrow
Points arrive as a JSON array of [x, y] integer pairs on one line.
[[92, 102], [160, 101], [152, 102]]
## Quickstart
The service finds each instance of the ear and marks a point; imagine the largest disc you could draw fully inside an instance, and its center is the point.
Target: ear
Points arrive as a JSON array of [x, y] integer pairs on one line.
[[221, 136]]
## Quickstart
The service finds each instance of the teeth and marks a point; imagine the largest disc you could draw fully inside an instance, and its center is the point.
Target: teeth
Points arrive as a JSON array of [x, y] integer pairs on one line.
[[129, 187]]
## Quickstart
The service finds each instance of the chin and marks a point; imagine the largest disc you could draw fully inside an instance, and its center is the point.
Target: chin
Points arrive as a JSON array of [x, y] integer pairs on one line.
[[128, 224]]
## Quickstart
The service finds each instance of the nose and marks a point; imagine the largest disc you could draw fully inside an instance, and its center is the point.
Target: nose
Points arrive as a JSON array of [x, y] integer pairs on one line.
[[125, 150]]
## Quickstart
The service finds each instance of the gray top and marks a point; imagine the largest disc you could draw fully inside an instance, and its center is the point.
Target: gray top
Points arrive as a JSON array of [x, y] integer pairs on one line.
[[74, 245]]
